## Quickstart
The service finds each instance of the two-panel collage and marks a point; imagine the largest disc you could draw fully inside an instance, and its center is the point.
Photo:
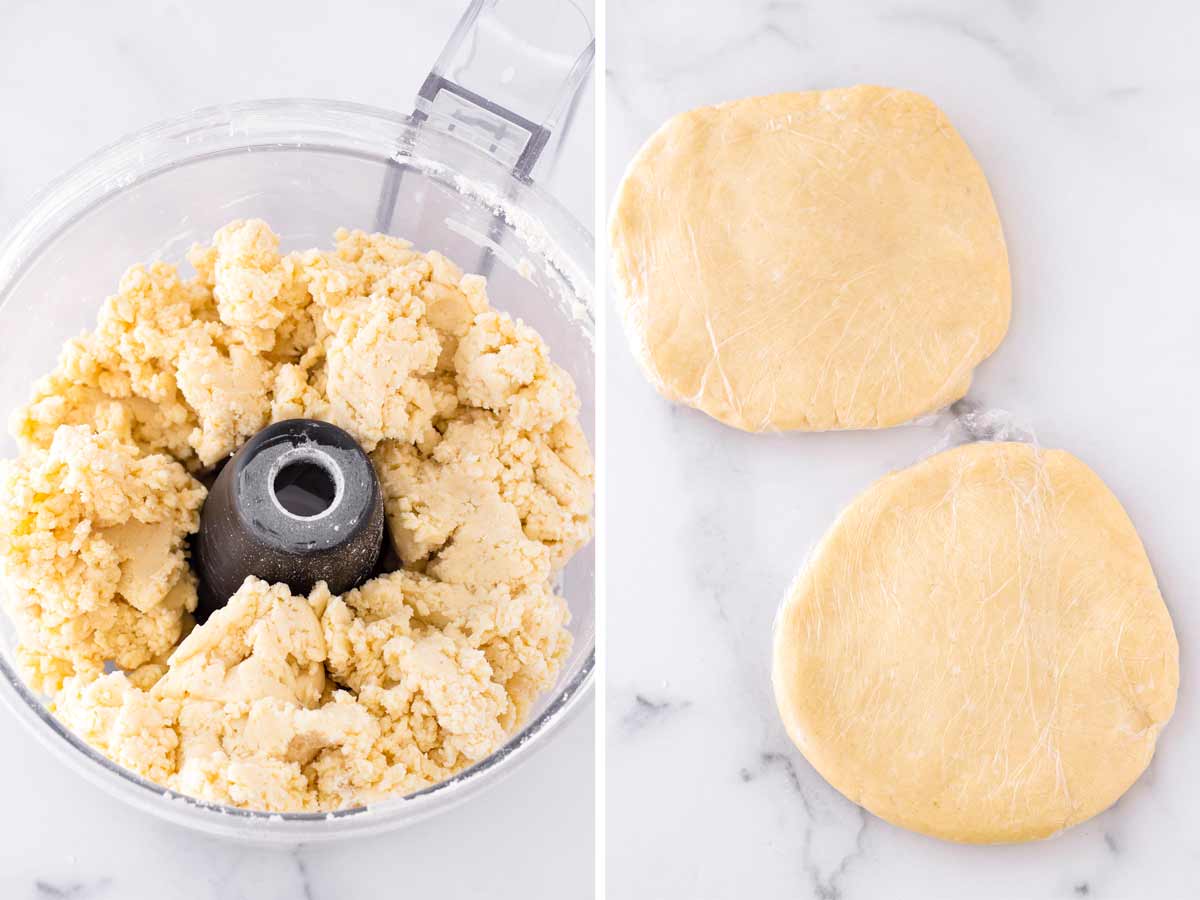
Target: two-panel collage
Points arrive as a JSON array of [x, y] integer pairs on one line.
[[599, 450]]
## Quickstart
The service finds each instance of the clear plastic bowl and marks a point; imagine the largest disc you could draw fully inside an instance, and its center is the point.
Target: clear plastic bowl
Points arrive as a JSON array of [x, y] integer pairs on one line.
[[306, 167]]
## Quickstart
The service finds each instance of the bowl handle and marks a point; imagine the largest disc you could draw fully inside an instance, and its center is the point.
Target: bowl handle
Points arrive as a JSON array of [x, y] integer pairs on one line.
[[509, 78]]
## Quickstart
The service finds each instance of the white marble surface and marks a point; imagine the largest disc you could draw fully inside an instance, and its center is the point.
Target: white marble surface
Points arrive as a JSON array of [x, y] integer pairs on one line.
[[1084, 118], [75, 77]]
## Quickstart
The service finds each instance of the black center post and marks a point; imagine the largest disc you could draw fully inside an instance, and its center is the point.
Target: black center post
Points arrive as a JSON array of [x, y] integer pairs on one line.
[[298, 503]]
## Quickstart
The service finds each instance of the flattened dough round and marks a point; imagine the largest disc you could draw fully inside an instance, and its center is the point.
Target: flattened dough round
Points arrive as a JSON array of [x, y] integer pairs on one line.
[[978, 649], [813, 261]]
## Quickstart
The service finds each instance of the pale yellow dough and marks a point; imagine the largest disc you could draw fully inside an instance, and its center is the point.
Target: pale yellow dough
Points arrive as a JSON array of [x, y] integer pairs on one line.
[[810, 261], [978, 649], [281, 702]]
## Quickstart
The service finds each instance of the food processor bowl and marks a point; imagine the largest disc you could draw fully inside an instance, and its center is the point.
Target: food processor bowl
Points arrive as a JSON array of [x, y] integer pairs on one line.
[[307, 167]]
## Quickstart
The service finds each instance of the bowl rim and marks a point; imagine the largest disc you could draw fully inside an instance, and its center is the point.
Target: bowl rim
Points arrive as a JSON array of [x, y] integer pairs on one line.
[[61, 198], [25, 224]]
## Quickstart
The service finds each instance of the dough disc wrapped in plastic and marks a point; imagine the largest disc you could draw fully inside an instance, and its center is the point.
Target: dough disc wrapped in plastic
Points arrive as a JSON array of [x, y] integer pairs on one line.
[[978, 649], [810, 261]]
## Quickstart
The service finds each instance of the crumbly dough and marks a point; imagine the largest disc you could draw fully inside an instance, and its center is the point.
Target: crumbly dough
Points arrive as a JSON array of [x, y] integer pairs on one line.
[[810, 261], [978, 649], [280, 702]]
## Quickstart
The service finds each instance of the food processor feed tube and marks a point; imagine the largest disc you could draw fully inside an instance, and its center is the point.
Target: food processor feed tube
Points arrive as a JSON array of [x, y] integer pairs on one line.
[[507, 82]]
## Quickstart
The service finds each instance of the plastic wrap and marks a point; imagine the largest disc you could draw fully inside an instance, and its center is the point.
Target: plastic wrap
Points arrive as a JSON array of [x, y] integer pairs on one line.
[[977, 649], [812, 261]]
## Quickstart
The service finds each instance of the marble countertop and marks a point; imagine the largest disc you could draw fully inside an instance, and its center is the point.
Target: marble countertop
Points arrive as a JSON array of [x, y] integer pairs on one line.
[[86, 77], [1084, 119]]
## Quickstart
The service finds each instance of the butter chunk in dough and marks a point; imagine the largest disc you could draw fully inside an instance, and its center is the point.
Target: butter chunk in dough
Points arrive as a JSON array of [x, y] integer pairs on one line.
[[237, 715], [811, 261], [91, 548], [121, 377], [263, 643], [377, 361], [977, 649], [260, 296], [396, 632], [489, 503], [504, 366], [228, 393]]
